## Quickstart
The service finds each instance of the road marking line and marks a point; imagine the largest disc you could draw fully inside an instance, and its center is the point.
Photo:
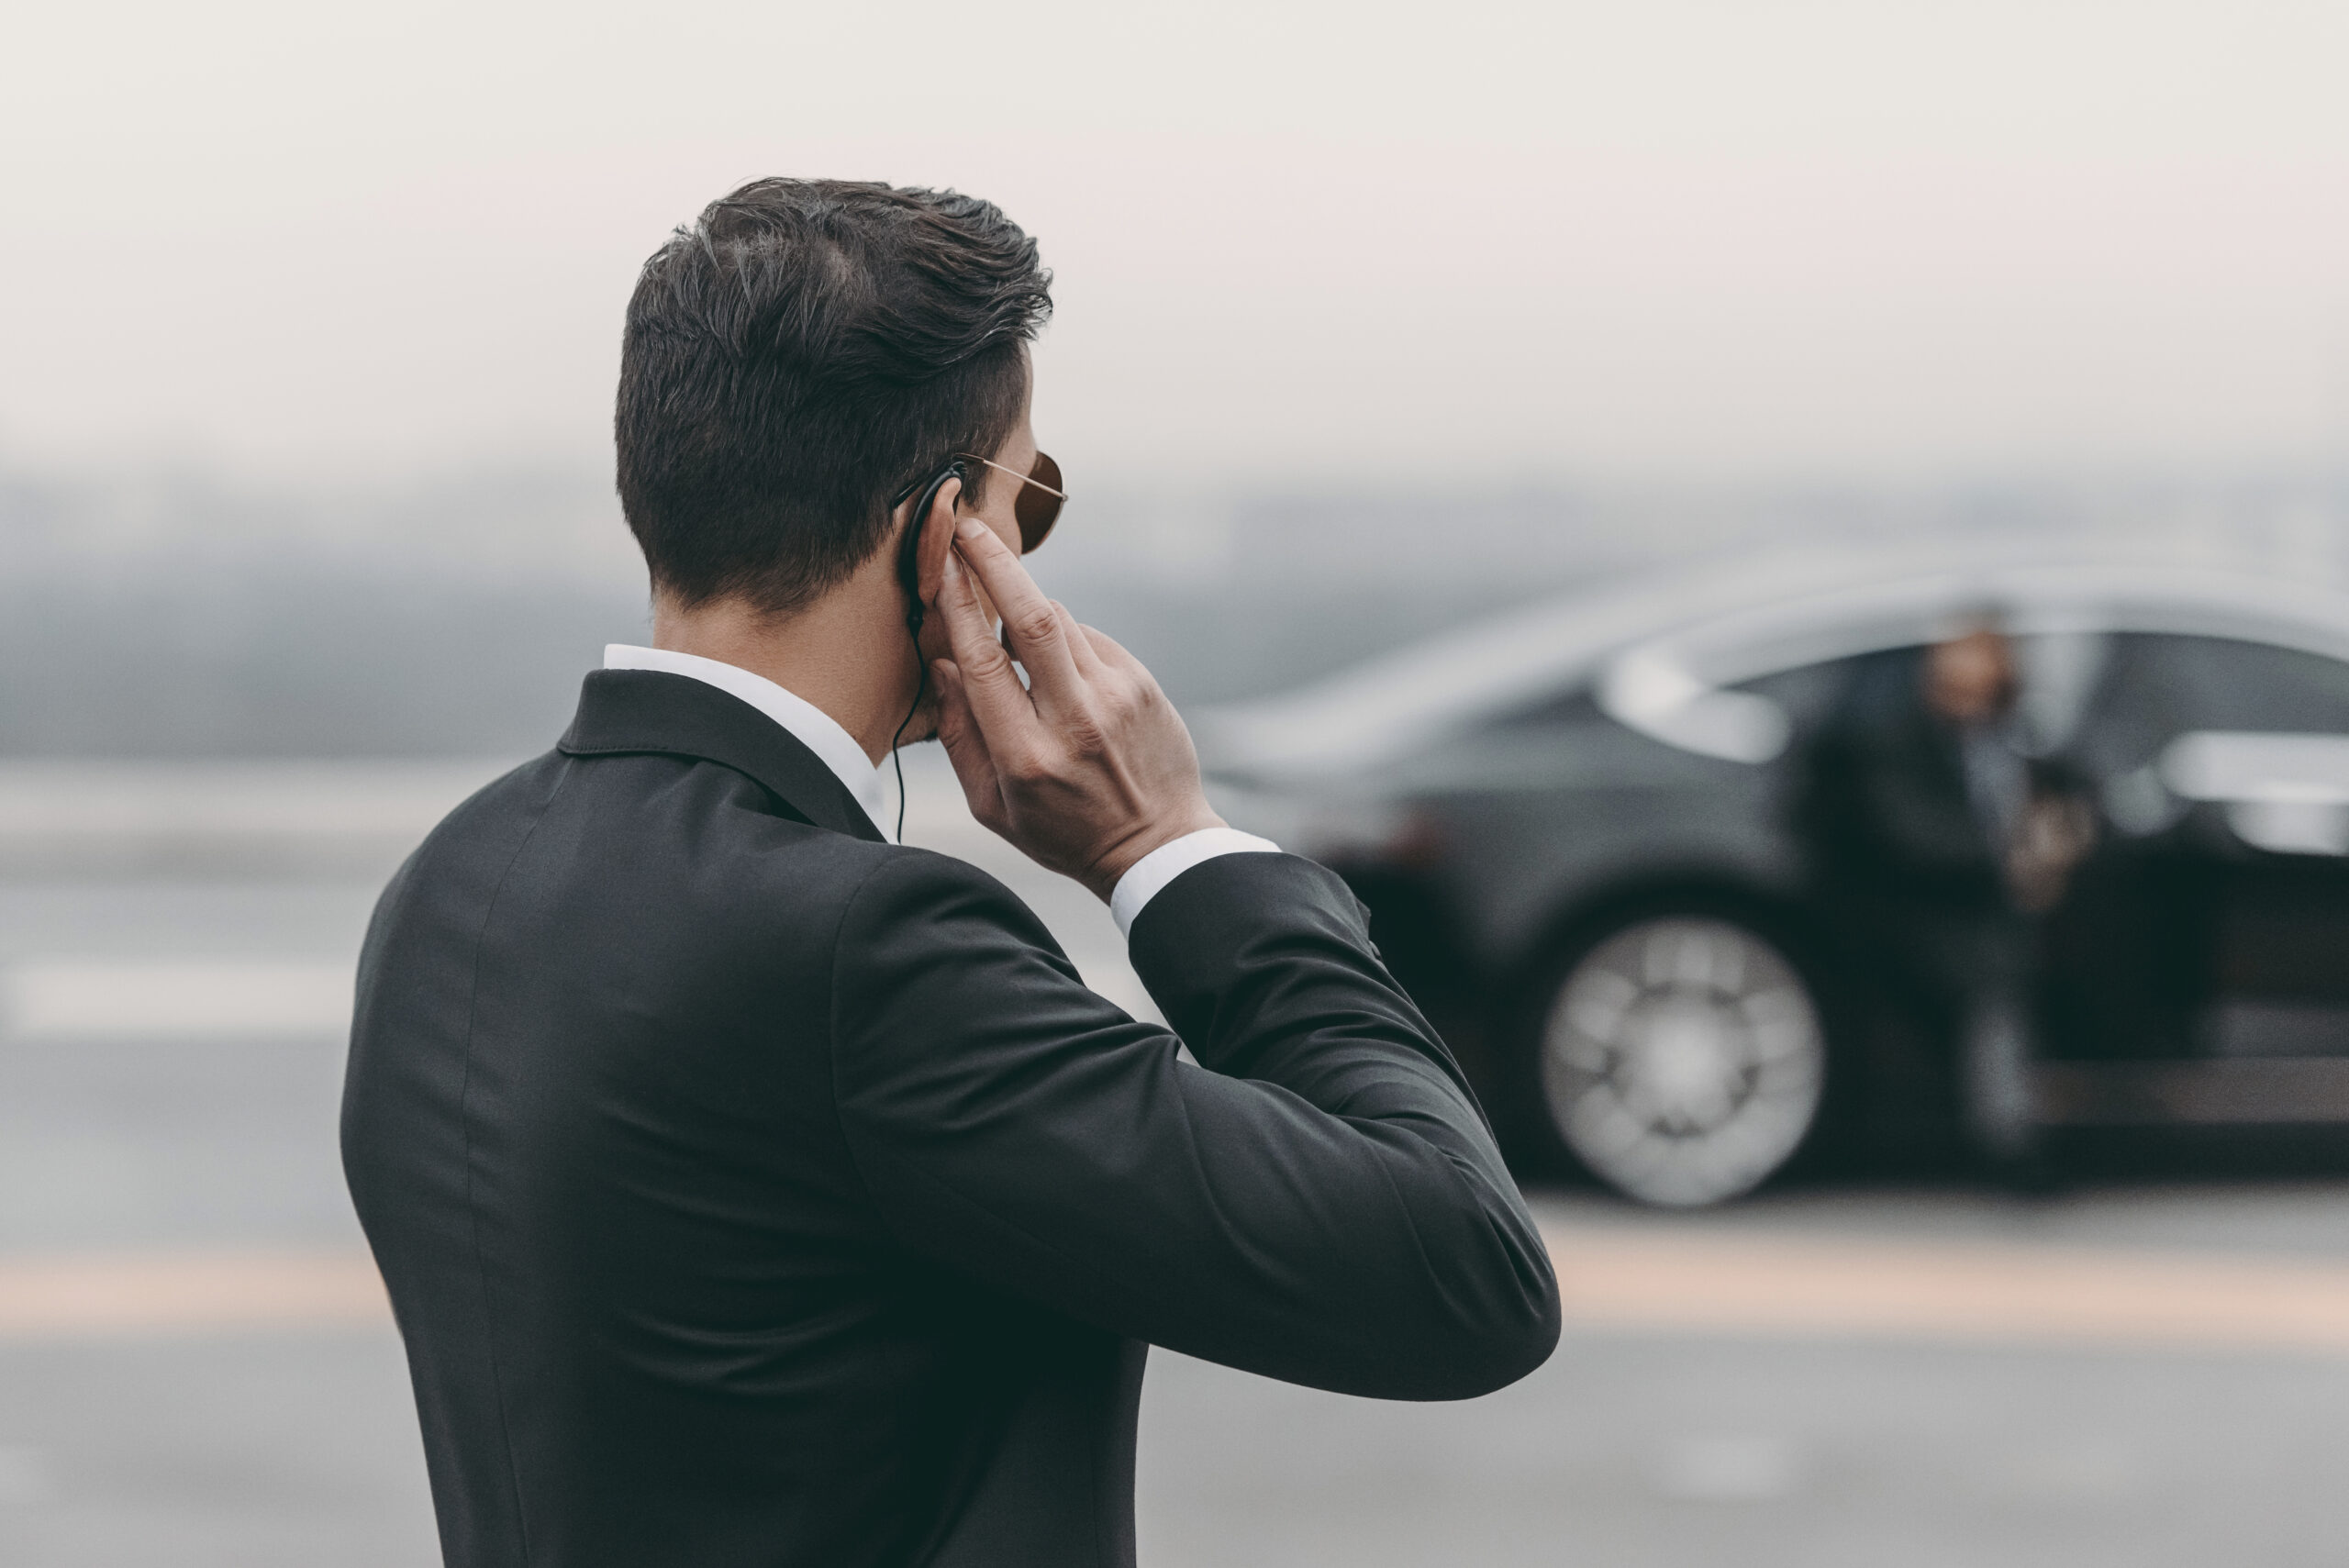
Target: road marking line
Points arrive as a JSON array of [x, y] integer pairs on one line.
[[144, 1295], [1647, 1279], [91, 999], [1709, 1282]]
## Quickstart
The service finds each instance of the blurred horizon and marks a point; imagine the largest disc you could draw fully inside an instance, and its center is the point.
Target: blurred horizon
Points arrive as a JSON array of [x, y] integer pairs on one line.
[[176, 613], [1368, 321]]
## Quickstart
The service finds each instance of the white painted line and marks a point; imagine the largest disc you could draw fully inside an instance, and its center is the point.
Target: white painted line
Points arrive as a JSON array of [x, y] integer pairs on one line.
[[89, 999], [41, 798]]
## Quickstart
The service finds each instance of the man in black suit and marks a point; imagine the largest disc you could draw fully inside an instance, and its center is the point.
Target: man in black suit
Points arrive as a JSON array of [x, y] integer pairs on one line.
[[752, 1189], [1937, 838]]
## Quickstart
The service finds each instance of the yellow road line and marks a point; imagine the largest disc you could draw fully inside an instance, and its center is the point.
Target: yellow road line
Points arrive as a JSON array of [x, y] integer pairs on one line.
[[1645, 1279], [1843, 1287], [141, 1293]]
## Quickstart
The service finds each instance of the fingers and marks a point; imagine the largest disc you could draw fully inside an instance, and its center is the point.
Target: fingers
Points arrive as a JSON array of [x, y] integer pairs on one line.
[[966, 745], [1116, 662], [1110, 651], [1089, 660], [1032, 625], [989, 685], [1088, 767]]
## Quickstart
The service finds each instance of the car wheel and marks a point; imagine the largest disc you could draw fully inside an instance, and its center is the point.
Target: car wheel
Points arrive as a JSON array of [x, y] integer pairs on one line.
[[1681, 1059]]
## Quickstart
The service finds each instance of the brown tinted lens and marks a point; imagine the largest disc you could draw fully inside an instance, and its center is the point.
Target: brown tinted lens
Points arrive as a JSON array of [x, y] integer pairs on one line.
[[1039, 509]]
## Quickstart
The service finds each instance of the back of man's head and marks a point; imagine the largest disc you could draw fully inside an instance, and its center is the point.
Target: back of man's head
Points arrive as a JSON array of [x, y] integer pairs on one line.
[[805, 351]]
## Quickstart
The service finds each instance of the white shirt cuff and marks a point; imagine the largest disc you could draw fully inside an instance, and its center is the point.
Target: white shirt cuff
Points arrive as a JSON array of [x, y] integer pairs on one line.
[[1147, 877]]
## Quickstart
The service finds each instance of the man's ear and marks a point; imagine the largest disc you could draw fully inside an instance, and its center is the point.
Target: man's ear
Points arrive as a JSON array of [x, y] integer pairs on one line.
[[937, 539]]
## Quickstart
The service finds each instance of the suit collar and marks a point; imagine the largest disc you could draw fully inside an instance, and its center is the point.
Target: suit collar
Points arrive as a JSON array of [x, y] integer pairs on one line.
[[623, 711], [811, 725]]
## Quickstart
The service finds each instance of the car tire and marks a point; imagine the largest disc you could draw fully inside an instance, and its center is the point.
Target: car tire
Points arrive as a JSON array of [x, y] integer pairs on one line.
[[1680, 1058]]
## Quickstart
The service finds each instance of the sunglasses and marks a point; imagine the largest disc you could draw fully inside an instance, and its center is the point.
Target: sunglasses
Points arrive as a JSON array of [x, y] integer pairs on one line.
[[1038, 506], [1036, 509]]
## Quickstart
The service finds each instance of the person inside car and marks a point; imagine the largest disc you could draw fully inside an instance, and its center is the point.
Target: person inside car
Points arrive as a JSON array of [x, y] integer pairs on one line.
[[1936, 841]]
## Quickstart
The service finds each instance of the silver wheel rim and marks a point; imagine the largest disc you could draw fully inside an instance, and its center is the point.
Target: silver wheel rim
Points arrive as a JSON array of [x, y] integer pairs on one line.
[[1682, 1060]]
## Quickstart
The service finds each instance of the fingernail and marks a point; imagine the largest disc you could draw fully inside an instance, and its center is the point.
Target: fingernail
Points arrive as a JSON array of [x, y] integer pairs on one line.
[[969, 527]]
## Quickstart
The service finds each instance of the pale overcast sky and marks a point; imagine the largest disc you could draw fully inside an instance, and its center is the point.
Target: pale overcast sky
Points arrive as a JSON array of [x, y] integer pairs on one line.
[[1647, 238]]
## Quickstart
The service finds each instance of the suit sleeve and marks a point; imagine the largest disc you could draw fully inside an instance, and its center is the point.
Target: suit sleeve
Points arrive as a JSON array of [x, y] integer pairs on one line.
[[1320, 1201]]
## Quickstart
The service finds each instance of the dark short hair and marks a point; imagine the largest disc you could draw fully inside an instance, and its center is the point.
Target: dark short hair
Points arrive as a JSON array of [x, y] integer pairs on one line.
[[806, 350]]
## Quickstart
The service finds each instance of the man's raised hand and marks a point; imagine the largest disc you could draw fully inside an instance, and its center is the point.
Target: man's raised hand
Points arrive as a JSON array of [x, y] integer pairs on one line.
[[1088, 767]]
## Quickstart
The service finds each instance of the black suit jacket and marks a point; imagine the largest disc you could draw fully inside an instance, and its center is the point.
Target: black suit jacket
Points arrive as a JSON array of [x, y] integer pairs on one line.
[[752, 1191], [1881, 802]]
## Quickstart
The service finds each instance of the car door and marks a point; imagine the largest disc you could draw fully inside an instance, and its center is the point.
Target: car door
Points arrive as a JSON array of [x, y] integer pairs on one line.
[[2211, 924]]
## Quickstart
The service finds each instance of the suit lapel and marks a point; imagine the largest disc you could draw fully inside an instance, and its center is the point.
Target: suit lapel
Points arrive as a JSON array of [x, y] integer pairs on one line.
[[623, 711]]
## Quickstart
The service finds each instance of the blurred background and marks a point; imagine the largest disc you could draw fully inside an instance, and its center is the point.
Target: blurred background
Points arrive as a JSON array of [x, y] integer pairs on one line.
[[1667, 400]]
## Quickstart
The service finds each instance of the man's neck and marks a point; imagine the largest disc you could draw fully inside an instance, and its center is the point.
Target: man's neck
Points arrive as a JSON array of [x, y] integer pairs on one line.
[[848, 653]]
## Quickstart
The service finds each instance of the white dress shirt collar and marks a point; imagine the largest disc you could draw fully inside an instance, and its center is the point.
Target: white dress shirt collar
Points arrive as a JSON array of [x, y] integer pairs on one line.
[[838, 749], [809, 725]]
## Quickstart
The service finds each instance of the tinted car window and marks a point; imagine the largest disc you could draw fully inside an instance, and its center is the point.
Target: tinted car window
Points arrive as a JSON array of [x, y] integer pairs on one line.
[[1572, 707], [2158, 688], [1805, 692]]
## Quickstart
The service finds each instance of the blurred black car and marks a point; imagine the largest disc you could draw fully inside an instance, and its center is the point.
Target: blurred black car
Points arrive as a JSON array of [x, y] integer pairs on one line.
[[1571, 826]]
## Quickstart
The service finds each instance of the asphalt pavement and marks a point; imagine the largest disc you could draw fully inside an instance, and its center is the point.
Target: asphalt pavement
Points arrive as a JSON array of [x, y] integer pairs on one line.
[[194, 1370]]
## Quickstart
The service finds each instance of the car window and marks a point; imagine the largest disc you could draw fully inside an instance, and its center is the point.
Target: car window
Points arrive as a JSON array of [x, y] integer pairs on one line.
[[1807, 692], [2158, 688], [1571, 707]]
